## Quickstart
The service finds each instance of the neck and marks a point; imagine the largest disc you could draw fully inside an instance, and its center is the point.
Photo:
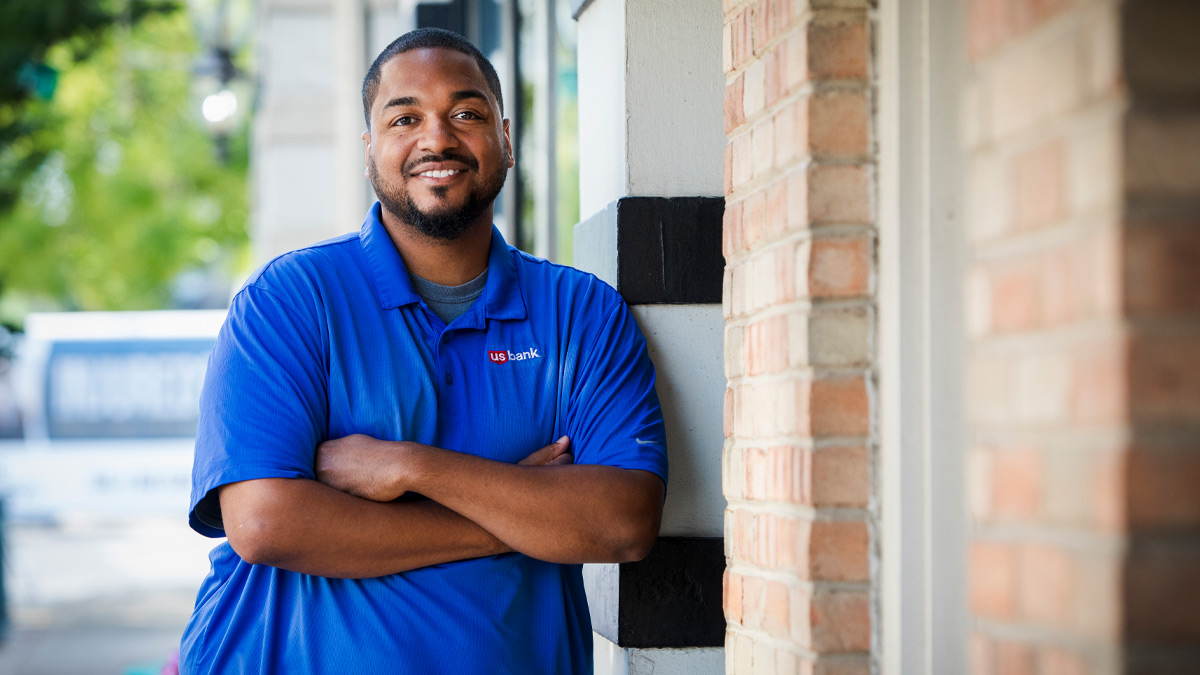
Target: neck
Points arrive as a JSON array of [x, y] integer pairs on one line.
[[449, 263]]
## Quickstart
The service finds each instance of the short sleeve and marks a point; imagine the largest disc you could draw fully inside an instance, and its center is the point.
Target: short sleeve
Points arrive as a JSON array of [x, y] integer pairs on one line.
[[263, 408], [615, 418]]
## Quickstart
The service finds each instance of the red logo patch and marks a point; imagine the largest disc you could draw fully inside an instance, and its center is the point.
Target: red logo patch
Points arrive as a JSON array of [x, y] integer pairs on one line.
[[498, 357]]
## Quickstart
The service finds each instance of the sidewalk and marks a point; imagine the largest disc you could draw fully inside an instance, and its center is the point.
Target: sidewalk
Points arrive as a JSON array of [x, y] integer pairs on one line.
[[99, 598]]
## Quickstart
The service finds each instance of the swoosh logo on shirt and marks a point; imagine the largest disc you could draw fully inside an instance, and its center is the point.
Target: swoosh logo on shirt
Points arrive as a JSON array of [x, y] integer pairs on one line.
[[641, 442]]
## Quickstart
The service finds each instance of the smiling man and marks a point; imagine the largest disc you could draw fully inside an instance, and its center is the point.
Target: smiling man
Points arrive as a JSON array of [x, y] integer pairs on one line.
[[378, 423]]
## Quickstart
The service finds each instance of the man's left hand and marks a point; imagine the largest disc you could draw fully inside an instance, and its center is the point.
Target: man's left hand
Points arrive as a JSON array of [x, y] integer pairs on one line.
[[360, 465]]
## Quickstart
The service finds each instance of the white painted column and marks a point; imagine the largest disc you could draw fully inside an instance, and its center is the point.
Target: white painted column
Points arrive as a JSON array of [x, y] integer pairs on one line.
[[651, 122], [307, 159]]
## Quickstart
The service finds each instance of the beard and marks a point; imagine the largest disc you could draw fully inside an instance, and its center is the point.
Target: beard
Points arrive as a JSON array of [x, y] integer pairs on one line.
[[448, 222]]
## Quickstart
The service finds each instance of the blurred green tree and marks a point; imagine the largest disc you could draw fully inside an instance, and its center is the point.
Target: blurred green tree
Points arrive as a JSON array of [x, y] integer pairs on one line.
[[110, 186]]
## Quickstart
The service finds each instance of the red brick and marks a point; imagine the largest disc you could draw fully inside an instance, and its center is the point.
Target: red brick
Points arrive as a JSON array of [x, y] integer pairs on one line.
[[1161, 275], [781, 14], [789, 132], [804, 414], [776, 210], [728, 160], [743, 41], [744, 531], [839, 194], [791, 544], [728, 414], [840, 476], [1014, 658], [756, 474], [838, 124], [839, 551], [1099, 607], [766, 345], [764, 147], [731, 228], [841, 622], [786, 463], [993, 580], [754, 601], [1016, 297], [801, 604], [1108, 483], [776, 620], [1161, 596], [1164, 379], [844, 665], [795, 69], [995, 22], [763, 29], [797, 189], [754, 218], [838, 51], [984, 26], [1046, 585], [840, 407], [1060, 661], [743, 161], [1039, 186], [734, 114], [732, 597], [839, 267], [1163, 490], [1017, 484], [776, 62], [785, 277], [1099, 388], [980, 656]]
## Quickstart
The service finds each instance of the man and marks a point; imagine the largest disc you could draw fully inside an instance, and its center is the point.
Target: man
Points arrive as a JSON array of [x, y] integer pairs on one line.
[[378, 424]]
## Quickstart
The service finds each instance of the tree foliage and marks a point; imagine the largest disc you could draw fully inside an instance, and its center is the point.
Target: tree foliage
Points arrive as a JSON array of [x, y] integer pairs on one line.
[[110, 188]]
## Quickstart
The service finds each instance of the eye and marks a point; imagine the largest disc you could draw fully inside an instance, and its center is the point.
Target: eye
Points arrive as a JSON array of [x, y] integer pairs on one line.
[[467, 115], [404, 120]]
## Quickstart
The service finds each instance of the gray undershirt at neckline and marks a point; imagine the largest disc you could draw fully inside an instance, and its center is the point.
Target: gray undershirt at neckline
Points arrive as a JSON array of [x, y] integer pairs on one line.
[[449, 302]]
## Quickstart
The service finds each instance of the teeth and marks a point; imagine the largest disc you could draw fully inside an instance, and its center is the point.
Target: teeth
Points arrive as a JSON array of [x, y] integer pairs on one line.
[[439, 174]]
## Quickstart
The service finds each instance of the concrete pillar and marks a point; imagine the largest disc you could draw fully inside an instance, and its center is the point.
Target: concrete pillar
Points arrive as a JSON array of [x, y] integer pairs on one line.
[[651, 151], [307, 160]]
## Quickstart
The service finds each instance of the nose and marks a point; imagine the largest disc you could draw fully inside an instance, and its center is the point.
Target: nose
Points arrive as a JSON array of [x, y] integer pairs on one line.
[[438, 135]]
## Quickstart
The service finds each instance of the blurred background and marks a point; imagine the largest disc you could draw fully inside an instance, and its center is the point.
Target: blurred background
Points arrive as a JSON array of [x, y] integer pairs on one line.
[[152, 154]]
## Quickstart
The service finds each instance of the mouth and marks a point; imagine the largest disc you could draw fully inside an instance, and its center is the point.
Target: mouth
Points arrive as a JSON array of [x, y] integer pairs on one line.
[[440, 173]]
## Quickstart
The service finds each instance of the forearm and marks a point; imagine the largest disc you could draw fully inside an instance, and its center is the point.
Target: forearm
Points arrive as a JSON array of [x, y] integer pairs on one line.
[[566, 514], [304, 526]]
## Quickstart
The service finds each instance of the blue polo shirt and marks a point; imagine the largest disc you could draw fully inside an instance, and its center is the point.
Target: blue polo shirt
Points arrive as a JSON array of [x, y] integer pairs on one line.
[[332, 340]]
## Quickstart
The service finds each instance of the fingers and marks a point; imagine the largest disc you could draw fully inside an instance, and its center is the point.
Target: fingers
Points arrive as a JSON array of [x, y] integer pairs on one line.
[[548, 454], [563, 459]]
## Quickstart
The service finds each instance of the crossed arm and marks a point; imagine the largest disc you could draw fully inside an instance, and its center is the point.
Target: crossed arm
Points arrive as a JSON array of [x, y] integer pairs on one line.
[[346, 523]]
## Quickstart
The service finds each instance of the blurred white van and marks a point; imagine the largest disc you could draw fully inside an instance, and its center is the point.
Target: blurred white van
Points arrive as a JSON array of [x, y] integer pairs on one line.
[[109, 403]]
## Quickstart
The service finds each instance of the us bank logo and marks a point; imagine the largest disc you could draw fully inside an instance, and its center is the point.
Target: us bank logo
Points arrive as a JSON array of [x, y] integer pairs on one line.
[[504, 356]]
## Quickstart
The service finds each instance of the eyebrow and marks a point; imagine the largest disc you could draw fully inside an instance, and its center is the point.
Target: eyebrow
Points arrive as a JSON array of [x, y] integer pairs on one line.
[[457, 96]]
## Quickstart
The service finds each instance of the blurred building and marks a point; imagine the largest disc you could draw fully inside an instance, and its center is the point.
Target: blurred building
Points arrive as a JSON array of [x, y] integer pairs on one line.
[[932, 262]]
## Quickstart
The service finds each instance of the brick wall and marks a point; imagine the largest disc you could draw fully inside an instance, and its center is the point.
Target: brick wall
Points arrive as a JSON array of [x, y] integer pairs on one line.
[[1082, 125], [799, 242]]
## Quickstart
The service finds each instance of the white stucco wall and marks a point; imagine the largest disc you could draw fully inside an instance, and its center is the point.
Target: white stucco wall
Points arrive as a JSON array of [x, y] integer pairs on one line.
[[601, 65], [650, 123], [685, 343]]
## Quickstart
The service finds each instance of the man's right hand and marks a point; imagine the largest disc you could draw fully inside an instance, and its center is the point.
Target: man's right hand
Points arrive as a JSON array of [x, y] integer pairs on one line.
[[555, 454]]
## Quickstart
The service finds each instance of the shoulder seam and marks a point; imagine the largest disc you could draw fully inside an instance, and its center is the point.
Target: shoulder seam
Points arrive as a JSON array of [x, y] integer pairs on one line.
[[341, 239]]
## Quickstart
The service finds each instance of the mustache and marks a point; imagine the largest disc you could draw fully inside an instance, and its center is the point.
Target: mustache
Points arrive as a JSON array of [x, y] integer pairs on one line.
[[412, 166]]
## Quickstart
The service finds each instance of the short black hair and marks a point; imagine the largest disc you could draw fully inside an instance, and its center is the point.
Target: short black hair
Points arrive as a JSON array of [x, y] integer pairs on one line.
[[426, 38]]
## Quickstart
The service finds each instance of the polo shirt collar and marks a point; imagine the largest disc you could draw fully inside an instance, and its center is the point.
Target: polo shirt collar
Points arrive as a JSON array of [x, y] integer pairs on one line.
[[502, 295], [387, 267]]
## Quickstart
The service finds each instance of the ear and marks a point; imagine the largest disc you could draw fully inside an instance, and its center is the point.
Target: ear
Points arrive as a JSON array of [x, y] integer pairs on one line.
[[366, 136], [512, 158]]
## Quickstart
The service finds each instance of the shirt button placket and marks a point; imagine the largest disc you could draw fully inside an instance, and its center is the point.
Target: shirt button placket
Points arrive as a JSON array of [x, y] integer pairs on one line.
[[445, 340]]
